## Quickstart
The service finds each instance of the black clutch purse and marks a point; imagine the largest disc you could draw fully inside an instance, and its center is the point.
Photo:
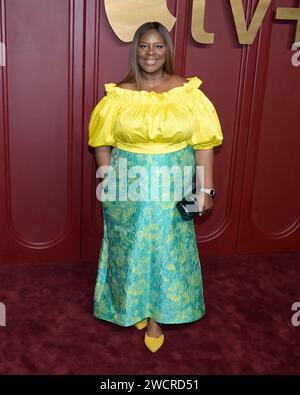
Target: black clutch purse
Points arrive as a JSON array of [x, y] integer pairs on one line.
[[188, 207]]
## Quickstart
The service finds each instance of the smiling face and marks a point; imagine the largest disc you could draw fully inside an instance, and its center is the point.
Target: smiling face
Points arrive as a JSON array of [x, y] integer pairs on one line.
[[151, 51]]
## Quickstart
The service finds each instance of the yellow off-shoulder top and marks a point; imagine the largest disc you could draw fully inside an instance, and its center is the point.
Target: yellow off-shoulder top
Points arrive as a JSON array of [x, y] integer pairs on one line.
[[152, 122]]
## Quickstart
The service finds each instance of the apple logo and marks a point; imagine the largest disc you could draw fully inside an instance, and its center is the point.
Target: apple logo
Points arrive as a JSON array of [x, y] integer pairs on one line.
[[125, 16]]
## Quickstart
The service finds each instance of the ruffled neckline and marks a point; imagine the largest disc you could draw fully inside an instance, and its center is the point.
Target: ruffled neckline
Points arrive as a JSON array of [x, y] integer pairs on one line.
[[142, 95]]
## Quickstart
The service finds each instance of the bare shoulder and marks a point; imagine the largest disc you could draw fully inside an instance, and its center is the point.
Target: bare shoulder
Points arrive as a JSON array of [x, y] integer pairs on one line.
[[127, 85], [177, 80]]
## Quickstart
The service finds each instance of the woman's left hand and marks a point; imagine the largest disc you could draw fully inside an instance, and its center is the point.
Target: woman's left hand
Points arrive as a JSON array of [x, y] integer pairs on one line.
[[205, 203]]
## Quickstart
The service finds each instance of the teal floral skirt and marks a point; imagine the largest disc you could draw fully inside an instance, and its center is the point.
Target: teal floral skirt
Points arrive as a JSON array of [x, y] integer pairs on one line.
[[149, 264]]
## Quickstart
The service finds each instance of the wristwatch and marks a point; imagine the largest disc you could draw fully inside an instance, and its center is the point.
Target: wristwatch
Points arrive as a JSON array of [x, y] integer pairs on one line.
[[210, 191]]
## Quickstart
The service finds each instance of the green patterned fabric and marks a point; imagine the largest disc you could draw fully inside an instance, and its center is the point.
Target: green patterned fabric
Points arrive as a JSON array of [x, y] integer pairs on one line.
[[149, 264]]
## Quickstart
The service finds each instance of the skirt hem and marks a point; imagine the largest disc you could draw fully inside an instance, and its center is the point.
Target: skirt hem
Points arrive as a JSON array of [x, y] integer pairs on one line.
[[153, 317]]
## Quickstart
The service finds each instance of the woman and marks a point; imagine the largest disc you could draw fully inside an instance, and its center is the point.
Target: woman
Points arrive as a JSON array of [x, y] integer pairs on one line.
[[149, 270]]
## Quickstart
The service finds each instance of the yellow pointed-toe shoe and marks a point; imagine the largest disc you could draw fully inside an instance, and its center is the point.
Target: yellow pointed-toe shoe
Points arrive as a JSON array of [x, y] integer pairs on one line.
[[153, 343], [142, 324]]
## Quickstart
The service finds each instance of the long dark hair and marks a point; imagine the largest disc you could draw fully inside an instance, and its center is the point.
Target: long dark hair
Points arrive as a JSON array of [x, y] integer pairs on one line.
[[134, 73]]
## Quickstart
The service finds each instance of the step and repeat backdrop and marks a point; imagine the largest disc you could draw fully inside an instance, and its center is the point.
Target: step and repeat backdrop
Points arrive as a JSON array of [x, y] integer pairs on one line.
[[56, 56]]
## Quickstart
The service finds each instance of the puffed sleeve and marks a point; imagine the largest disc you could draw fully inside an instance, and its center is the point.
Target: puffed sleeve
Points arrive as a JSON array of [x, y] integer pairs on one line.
[[102, 122], [207, 133]]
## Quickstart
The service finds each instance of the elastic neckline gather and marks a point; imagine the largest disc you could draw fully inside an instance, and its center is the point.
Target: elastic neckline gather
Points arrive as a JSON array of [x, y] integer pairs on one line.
[[191, 83]]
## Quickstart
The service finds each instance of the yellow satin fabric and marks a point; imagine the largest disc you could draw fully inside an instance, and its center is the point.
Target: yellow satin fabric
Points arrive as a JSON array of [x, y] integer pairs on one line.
[[152, 122]]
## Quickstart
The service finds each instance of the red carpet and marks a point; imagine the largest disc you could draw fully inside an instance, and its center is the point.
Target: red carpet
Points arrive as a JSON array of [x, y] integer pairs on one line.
[[247, 328]]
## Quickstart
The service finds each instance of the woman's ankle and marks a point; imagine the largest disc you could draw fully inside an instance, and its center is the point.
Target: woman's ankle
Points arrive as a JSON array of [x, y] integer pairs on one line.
[[152, 322]]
